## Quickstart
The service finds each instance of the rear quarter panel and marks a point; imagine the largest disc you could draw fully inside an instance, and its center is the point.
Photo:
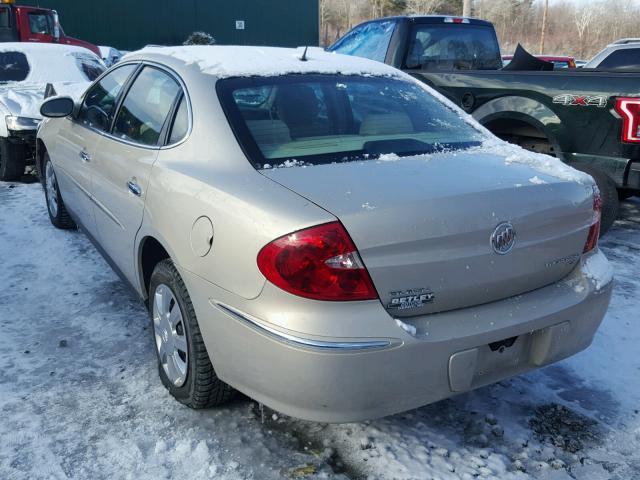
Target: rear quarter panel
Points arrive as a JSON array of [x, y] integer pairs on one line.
[[208, 175]]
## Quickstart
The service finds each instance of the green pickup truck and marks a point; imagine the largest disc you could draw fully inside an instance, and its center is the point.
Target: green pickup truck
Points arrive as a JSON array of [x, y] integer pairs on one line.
[[588, 118]]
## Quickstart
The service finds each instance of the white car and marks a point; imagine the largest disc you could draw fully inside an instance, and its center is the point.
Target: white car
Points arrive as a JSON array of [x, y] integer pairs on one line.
[[29, 72], [623, 54], [110, 56]]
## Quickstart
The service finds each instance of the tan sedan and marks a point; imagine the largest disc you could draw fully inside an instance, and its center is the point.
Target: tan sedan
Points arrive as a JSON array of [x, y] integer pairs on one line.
[[320, 232]]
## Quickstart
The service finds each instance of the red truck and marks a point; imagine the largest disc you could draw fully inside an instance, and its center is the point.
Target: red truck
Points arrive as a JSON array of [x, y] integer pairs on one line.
[[32, 24]]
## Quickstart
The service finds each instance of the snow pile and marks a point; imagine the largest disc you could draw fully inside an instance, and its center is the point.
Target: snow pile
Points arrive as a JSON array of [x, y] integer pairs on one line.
[[410, 329], [24, 99], [537, 180], [544, 164], [235, 61], [598, 269]]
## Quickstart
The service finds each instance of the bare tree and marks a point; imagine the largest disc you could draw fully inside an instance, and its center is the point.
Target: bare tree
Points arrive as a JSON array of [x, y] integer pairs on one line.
[[423, 7], [583, 19]]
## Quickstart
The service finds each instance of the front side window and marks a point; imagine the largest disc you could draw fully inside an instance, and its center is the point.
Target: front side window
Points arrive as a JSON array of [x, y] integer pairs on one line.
[[14, 67], [446, 47], [318, 119], [625, 58], [99, 104], [41, 23], [146, 107], [370, 40]]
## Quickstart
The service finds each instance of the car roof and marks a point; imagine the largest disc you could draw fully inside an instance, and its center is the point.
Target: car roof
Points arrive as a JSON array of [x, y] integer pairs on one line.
[[51, 63], [224, 61]]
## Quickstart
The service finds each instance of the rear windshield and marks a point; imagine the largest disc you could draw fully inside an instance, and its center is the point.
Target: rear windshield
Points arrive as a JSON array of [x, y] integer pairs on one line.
[[14, 67], [315, 119], [446, 47]]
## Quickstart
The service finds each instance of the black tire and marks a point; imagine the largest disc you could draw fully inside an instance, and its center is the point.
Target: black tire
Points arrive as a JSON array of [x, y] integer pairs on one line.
[[59, 215], [12, 160], [201, 388], [609, 194]]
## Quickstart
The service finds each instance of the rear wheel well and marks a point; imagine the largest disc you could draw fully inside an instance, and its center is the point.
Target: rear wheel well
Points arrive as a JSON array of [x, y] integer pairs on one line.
[[151, 253], [523, 133]]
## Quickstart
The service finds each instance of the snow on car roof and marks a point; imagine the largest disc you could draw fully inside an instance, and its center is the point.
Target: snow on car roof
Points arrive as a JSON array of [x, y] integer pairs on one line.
[[50, 62], [41, 48], [243, 61]]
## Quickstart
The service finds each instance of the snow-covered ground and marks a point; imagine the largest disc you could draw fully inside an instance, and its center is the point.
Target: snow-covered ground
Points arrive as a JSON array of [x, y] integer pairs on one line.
[[80, 397]]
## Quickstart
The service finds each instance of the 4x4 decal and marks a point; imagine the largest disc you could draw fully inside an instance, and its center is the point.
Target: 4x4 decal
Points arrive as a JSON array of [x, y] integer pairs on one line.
[[571, 100]]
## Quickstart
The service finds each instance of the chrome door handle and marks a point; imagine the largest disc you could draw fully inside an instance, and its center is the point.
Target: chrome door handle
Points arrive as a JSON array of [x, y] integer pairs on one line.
[[134, 188], [84, 156]]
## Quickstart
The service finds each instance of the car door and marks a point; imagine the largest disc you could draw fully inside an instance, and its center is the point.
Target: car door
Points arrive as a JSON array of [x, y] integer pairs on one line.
[[79, 141], [123, 165]]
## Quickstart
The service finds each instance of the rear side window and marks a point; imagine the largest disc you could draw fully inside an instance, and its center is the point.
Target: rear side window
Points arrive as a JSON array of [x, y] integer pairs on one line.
[[146, 107], [14, 67], [180, 125], [317, 119], [446, 47], [625, 58], [100, 101], [370, 40], [41, 23]]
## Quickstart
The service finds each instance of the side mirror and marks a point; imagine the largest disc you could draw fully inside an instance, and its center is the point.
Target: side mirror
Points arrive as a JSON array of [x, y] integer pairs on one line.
[[57, 107]]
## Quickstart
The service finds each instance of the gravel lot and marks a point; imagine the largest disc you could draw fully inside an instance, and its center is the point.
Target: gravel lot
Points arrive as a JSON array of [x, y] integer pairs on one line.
[[80, 397]]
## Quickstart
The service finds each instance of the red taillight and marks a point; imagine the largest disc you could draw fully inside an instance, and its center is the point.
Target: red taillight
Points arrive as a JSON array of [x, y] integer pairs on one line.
[[629, 110], [320, 263], [594, 231]]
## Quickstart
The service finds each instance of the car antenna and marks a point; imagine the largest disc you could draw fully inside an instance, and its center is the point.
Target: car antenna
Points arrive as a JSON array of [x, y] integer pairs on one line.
[[303, 58]]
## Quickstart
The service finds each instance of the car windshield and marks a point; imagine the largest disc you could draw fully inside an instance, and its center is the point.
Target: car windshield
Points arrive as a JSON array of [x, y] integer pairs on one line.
[[315, 119], [453, 47], [14, 67]]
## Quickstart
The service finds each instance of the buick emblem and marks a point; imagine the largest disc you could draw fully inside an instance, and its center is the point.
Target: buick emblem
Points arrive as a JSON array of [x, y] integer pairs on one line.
[[503, 238]]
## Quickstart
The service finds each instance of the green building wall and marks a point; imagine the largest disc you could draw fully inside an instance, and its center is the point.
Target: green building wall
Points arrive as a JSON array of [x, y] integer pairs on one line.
[[131, 24]]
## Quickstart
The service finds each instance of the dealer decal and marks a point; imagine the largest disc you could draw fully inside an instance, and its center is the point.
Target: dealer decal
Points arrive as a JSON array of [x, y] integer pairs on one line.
[[571, 100], [412, 298]]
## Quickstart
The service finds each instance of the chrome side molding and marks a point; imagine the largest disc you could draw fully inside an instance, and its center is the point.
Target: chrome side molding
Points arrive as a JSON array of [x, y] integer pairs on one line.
[[300, 341]]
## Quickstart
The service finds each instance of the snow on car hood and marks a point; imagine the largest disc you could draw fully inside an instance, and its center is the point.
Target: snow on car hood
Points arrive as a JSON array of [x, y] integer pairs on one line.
[[24, 99]]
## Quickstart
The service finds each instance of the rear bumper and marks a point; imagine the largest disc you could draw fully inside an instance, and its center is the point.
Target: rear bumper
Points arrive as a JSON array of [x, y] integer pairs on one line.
[[449, 352]]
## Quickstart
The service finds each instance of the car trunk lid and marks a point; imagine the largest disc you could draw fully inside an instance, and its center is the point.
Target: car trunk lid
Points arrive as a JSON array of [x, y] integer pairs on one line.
[[423, 225]]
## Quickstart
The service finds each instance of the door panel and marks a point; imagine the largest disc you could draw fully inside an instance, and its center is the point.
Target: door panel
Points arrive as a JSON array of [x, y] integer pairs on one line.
[[75, 147], [118, 209], [123, 165]]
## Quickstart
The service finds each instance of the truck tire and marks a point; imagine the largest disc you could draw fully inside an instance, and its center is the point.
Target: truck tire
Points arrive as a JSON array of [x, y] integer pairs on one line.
[[12, 161], [609, 194], [183, 361], [58, 214]]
